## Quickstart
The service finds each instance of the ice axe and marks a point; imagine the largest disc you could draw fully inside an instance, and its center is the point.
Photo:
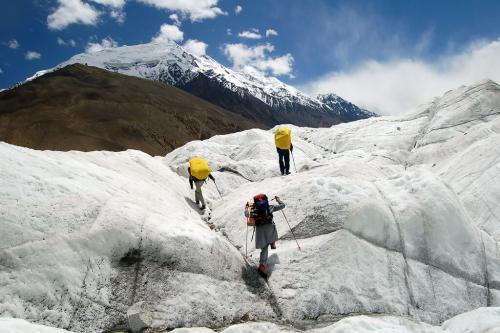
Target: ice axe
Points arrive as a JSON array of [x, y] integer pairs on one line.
[[275, 198]]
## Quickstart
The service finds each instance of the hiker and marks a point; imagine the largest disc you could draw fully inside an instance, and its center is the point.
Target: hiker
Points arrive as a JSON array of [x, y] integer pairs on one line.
[[283, 140], [265, 230], [199, 171]]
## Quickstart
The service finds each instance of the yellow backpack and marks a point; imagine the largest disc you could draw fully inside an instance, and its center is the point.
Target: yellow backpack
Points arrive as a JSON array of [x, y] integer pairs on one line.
[[283, 138], [199, 168]]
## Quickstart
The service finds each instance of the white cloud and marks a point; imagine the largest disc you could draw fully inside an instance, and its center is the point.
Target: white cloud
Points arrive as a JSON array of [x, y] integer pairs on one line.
[[229, 32], [13, 44], [168, 32], [196, 10], [106, 43], [111, 3], [396, 86], [271, 32], [238, 9], [115, 8], [72, 11], [32, 55], [256, 60], [277, 66], [118, 14], [174, 17], [70, 42], [1, 71], [250, 34], [241, 55], [195, 47]]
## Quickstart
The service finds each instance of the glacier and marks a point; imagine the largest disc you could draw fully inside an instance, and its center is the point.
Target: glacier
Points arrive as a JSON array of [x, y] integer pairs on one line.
[[482, 320], [397, 218]]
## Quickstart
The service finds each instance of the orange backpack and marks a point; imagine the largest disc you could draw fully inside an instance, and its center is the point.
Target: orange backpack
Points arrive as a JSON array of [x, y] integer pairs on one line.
[[250, 218]]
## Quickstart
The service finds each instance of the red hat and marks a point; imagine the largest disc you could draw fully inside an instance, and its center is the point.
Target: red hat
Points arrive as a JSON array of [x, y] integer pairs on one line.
[[260, 196]]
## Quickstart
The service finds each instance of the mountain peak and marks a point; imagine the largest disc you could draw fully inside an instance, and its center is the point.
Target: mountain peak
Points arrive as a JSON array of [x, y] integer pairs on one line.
[[255, 96], [485, 81], [351, 111]]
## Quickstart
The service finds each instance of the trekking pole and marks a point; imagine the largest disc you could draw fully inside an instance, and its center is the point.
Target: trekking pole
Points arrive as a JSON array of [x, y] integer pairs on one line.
[[289, 227], [218, 190], [293, 159], [291, 230], [246, 243]]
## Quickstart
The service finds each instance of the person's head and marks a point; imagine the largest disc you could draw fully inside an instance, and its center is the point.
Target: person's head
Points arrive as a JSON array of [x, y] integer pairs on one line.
[[260, 201]]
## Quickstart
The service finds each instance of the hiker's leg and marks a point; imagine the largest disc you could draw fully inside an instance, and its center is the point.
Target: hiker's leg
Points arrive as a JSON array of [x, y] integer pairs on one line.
[[286, 156], [263, 254], [281, 158], [198, 193]]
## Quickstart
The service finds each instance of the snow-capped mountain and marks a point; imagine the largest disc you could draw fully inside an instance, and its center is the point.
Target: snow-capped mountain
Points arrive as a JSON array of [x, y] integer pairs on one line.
[[347, 110], [254, 96], [395, 216]]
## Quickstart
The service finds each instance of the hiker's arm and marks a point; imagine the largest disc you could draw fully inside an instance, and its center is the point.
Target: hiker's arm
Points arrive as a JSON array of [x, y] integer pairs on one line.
[[291, 147], [279, 206], [247, 214]]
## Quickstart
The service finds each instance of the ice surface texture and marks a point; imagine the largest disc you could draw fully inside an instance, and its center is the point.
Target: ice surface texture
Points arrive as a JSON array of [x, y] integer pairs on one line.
[[395, 215], [482, 320]]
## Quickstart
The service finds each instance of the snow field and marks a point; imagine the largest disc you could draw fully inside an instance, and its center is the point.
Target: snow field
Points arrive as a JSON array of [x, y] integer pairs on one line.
[[394, 215], [112, 236], [367, 181], [482, 320]]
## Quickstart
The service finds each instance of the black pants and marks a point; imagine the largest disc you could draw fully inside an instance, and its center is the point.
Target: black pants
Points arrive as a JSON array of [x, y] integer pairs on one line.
[[284, 158]]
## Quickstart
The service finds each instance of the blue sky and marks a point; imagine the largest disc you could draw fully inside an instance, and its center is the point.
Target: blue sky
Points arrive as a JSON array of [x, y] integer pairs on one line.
[[347, 47]]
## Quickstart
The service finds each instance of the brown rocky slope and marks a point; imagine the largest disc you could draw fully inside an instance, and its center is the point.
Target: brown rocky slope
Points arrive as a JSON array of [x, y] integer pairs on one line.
[[86, 108]]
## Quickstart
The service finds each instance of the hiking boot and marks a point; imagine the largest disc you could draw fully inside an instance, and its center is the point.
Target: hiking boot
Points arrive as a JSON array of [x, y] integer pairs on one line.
[[197, 202], [262, 270], [273, 245], [288, 172], [203, 207]]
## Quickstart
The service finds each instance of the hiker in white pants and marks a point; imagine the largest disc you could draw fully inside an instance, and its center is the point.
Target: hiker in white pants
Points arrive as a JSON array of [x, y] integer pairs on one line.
[[198, 195]]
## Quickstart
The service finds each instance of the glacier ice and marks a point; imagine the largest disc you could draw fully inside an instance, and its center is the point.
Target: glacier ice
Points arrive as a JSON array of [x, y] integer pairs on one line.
[[394, 215]]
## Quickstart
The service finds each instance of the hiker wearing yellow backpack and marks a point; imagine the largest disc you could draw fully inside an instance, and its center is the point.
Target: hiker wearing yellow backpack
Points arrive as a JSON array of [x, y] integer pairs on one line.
[[283, 140], [199, 171], [259, 214]]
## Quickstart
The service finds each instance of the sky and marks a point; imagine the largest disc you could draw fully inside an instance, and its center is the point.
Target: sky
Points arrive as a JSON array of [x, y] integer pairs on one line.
[[387, 56]]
